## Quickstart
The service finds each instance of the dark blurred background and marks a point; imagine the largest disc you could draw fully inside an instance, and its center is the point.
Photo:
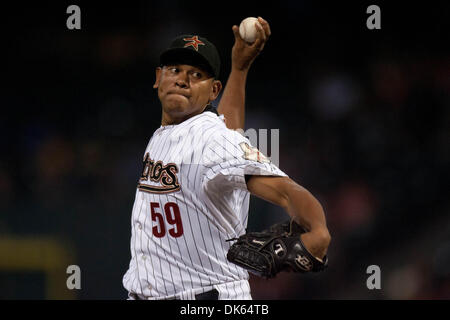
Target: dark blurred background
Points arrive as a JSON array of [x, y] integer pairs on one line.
[[363, 117]]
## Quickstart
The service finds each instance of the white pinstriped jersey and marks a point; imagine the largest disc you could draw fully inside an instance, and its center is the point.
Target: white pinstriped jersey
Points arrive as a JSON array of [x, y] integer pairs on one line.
[[192, 197]]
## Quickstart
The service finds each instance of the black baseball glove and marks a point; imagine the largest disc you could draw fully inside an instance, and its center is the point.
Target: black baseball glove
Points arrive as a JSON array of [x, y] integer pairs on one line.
[[276, 249]]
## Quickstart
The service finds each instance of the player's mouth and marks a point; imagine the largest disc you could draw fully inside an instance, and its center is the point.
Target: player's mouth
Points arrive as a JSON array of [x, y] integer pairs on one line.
[[179, 93]]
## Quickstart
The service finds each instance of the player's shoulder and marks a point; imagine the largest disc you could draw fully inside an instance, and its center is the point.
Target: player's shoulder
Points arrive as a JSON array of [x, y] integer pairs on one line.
[[210, 128], [206, 120], [224, 135]]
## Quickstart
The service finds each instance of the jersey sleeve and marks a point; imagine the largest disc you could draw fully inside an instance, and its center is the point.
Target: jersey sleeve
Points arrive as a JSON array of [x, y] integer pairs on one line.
[[229, 157]]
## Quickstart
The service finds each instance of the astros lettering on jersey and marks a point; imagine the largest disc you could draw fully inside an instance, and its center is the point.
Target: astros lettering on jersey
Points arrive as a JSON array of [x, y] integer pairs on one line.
[[191, 197]]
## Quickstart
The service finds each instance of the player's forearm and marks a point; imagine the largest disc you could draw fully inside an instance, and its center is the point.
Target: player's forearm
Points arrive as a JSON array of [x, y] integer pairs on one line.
[[232, 103], [306, 210]]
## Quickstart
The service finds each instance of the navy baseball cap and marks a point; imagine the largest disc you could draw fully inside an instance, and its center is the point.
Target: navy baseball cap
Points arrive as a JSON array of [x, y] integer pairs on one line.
[[192, 50]]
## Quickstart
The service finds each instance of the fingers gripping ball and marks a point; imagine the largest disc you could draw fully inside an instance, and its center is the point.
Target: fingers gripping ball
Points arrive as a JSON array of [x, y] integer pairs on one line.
[[247, 29], [271, 251]]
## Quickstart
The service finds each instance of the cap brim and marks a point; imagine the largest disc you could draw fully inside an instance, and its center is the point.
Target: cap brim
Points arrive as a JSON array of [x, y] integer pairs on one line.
[[186, 56]]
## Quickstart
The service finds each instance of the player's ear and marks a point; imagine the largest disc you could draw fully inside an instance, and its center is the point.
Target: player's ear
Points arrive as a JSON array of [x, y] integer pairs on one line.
[[215, 90], [158, 72]]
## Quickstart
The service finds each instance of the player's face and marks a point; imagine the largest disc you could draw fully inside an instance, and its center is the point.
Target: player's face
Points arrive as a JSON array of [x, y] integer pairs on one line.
[[184, 91]]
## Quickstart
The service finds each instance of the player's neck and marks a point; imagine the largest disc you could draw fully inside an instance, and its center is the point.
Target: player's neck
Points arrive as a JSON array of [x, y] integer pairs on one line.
[[168, 119]]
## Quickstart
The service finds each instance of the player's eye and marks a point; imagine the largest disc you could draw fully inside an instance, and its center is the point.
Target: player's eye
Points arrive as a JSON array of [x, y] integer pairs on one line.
[[174, 69], [197, 75]]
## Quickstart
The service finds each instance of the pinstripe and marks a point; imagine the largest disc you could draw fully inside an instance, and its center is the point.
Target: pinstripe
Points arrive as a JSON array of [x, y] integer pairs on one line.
[[153, 272], [242, 289], [152, 256], [188, 253], [182, 256], [143, 228], [167, 238], [133, 248], [248, 285], [189, 217], [214, 247], [160, 268], [198, 218], [158, 257], [201, 229], [136, 255], [228, 175], [163, 256], [179, 251], [226, 294], [233, 284], [193, 237]]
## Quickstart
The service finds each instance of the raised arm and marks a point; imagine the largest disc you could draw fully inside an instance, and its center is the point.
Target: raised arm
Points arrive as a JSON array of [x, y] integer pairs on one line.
[[300, 204], [232, 103]]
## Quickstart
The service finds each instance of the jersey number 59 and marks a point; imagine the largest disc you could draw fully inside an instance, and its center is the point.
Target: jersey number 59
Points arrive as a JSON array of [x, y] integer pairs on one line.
[[173, 217]]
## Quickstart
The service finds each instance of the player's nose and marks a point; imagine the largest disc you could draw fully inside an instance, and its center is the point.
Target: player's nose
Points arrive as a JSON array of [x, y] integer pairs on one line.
[[181, 83], [182, 80]]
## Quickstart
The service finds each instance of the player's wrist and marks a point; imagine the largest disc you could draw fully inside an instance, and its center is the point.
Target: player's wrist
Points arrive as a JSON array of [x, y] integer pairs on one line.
[[240, 69], [317, 241]]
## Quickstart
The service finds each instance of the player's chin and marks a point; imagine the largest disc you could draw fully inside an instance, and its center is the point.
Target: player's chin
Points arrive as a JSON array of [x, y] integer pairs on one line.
[[176, 103]]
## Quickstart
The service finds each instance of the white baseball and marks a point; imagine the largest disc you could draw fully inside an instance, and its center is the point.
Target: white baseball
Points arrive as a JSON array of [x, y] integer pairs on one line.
[[247, 29]]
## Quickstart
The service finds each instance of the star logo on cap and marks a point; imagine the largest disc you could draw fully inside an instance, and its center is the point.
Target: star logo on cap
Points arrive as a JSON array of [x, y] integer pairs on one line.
[[194, 42]]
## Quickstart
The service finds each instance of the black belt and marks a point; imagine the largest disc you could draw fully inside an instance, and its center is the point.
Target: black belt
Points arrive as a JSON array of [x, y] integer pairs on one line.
[[208, 295]]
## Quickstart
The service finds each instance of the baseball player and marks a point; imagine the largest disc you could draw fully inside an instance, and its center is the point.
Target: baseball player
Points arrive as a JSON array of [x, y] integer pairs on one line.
[[197, 177]]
